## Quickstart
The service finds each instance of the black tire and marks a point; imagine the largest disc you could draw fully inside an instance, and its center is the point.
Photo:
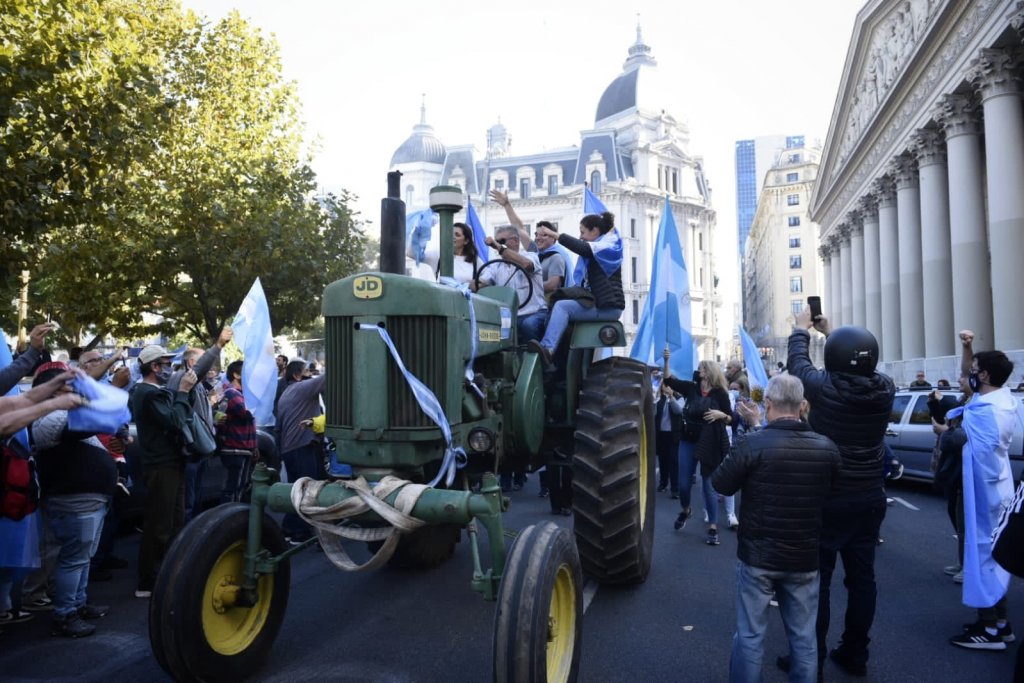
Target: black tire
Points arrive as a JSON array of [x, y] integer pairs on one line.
[[424, 548], [538, 626], [613, 472], [191, 638]]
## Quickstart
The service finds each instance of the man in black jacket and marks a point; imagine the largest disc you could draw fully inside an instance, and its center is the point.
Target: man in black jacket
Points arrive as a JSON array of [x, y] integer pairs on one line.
[[850, 404], [785, 471]]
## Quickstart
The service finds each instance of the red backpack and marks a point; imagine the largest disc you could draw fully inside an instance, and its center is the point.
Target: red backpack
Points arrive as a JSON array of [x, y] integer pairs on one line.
[[19, 485]]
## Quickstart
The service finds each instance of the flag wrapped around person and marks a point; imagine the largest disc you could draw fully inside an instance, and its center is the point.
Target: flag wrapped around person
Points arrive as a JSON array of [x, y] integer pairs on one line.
[[252, 334], [666, 322]]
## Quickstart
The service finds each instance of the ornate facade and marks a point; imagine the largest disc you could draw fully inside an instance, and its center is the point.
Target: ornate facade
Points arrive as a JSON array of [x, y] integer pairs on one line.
[[634, 155], [919, 195]]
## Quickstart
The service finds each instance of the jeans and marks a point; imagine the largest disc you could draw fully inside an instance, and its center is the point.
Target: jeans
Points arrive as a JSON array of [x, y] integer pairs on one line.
[[850, 530], [163, 518], [687, 468], [307, 461], [531, 327], [567, 311], [78, 535], [797, 594], [111, 524], [194, 472], [236, 475]]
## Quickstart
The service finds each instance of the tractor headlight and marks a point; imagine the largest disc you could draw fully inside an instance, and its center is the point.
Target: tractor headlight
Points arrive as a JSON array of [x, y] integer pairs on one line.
[[481, 440], [609, 334]]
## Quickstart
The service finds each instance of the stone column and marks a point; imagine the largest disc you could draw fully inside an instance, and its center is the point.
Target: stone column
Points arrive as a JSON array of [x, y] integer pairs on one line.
[[999, 84], [872, 280], [908, 211], [826, 285], [936, 267], [889, 270], [972, 305], [835, 310], [846, 274], [857, 309]]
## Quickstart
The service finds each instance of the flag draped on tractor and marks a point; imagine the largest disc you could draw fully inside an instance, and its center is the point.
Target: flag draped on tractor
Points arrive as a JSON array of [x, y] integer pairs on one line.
[[666, 321]]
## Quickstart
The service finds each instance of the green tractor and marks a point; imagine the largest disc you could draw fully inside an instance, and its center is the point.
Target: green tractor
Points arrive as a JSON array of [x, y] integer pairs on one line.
[[428, 395]]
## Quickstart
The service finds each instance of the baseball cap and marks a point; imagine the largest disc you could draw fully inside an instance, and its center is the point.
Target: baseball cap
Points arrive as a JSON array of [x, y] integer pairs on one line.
[[153, 352]]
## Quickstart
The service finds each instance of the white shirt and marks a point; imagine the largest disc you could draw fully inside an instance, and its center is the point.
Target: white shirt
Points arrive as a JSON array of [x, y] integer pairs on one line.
[[501, 273], [463, 270]]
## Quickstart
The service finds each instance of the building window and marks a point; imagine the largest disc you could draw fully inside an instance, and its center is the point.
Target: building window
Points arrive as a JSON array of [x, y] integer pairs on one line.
[[499, 184], [794, 242], [794, 221], [793, 199], [595, 182], [632, 227], [524, 189], [796, 261], [636, 311], [700, 241], [796, 284], [633, 264], [409, 189], [794, 158], [796, 307], [675, 181], [792, 177], [661, 174], [552, 185]]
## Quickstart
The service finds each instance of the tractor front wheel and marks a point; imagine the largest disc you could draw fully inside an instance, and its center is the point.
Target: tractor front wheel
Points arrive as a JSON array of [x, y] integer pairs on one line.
[[613, 472], [539, 620], [198, 628]]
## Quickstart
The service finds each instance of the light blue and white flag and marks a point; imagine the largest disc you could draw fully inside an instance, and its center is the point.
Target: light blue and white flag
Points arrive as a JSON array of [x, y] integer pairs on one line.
[[107, 409], [755, 368], [666, 322], [259, 369], [591, 204], [418, 226], [479, 236], [606, 250]]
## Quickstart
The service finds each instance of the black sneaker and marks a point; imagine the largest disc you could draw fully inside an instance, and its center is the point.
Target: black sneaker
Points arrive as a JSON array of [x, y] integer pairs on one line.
[[977, 637], [662, 487], [712, 538], [100, 574], [681, 520], [88, 611], [71, 627], [847, 663]]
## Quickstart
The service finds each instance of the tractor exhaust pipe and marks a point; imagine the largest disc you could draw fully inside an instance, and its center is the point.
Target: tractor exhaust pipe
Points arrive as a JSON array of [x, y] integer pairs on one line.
[[392, 227]]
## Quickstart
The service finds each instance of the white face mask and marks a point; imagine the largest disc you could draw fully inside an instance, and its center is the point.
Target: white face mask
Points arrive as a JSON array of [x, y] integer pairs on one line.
[[734, 394]]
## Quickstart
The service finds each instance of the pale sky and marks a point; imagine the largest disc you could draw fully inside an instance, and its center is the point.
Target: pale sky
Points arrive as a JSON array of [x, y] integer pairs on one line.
[[742, 68]]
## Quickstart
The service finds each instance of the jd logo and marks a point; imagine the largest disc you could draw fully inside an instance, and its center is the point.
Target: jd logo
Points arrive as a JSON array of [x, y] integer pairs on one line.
[[367, 287]]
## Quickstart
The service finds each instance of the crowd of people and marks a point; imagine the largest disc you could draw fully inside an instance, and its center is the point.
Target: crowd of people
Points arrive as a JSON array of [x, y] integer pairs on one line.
[[64, 490]]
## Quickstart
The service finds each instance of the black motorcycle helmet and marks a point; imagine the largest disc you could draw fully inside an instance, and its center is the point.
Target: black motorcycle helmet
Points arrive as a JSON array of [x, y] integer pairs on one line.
[[851, 349]]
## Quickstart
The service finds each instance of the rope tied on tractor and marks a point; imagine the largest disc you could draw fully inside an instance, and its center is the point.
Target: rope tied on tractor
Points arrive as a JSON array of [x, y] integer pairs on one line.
[[327, 520]]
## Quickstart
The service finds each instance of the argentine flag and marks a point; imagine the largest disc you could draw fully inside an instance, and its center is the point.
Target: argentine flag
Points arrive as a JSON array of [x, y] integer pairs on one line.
[[755, 368], [479, 236], [666, 321], [259, 369]]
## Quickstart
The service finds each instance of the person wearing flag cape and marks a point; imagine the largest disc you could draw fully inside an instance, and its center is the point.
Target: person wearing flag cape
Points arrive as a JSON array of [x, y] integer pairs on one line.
[[598, 274]]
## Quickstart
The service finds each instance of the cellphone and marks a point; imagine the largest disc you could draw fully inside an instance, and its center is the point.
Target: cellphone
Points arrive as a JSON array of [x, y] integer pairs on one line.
[[815, 304]]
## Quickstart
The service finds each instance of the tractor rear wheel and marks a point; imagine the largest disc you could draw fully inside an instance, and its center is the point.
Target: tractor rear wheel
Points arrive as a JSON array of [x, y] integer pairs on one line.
[[196, 628], [613, 472], [539, 620]]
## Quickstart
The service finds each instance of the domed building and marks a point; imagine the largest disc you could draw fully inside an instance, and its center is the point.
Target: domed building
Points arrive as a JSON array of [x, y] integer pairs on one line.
[[634, 155]]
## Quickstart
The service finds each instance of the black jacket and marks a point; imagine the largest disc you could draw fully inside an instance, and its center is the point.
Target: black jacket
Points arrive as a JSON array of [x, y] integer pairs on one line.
[[675, 419], [607, 289], [853, 411], [785, 471]]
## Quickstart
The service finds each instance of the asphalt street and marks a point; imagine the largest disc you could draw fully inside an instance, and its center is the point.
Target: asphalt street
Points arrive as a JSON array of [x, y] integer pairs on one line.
[[398, 626]]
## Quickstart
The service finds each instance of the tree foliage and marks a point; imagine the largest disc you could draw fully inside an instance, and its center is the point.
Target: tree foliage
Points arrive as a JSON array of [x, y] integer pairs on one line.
[[181, 192]]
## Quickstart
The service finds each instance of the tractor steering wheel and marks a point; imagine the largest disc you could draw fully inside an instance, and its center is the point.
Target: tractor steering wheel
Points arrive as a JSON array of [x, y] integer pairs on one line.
[[529, 280]]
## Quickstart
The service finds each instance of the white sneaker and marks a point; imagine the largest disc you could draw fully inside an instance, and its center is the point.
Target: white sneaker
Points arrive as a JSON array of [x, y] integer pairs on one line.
[[733, 522], [705, 516], [958, 577]]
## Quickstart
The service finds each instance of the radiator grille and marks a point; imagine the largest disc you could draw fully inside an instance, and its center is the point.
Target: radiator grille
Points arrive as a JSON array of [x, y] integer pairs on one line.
[[339, 367], [421, 342]]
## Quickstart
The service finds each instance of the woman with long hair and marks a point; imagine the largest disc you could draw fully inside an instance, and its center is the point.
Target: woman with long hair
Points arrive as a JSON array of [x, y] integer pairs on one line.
[[467, 260], [598, 270], [706, 415]]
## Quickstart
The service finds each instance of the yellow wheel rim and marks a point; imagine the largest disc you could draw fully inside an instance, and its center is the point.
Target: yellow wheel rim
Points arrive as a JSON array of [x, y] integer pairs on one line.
[[230, 629], [561, 626], [643, 472]]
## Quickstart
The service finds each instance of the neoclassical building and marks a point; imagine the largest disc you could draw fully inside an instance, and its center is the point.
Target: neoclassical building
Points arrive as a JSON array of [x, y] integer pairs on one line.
[[920, 195], [634, 155], [781, 267]]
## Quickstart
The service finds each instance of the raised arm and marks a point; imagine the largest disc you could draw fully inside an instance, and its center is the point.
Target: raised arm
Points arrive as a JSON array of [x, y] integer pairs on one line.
[[966, 356], [513, 218]]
